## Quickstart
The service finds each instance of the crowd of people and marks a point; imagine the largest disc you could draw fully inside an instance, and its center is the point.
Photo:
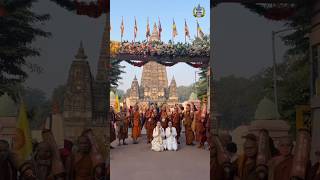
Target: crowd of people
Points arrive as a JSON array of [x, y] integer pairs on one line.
[[262, 159], [163, 124], [81, 162]]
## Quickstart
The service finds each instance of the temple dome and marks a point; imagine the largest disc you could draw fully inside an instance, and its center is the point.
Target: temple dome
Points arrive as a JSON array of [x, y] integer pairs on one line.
[[266, 110], [8, 108]]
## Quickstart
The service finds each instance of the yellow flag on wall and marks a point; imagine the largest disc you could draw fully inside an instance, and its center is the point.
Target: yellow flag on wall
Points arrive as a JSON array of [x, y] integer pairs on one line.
[[22, 142]]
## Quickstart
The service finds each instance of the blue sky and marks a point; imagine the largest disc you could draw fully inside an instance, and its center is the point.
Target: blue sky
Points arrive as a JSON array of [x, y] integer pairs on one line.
[[166, 10]]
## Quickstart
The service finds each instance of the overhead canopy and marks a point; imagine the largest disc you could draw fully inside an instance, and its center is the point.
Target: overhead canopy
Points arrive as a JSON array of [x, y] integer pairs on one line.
[[140, 53]]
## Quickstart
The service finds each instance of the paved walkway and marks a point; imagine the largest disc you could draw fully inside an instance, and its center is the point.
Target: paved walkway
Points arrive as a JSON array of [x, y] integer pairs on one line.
[[138, 162]]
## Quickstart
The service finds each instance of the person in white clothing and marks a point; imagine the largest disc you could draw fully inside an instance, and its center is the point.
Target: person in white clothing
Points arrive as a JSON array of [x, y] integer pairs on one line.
[[171, 140], [158, 144]]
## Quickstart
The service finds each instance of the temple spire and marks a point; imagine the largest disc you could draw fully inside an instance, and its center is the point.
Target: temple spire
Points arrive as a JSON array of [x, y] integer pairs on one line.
[[81, 55]]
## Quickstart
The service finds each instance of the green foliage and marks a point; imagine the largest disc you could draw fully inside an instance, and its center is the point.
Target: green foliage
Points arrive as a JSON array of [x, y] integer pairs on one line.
[[294, 72], [237, 99], [202, 84], [37, 104], [184, 92], [114, 73], [19, 28]]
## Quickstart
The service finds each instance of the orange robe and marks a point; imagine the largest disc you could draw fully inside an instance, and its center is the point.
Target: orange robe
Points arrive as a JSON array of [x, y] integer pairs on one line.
[[216, 170], [164, 119], [81, 167], [188, 118], [136, 130], [280, 168], [176, 122], [246, 171], [200, 128], [149, 124]]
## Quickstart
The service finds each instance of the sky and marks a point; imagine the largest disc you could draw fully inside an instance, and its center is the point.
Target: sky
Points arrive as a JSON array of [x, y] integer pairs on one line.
[[166, 11], [242, 39]]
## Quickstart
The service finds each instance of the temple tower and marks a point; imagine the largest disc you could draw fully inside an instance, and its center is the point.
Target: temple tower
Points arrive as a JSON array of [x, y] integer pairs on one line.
[[173, 90], [154, 80], [134, 91], [78, 96]]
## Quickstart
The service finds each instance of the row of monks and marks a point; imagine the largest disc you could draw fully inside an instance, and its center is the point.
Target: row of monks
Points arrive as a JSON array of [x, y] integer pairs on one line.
[[194, 119], [85, 162], [261, 159]]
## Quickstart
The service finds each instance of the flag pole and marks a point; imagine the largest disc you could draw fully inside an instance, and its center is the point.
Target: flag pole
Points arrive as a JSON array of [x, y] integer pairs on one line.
[[185, 35], [197, 29]]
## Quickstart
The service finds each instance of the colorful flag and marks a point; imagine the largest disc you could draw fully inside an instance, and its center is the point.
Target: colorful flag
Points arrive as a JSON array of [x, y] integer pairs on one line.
[[148, 30], [117, 104], [186, 29], [174, 29], [199, 31], [122, 28], [160, 30], [22, 141], [135, 28]]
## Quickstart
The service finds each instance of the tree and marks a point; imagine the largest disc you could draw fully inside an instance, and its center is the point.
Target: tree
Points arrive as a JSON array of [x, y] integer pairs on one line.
[[18, 30], [202, 84], [237, 99], [294, 72], [114, 73], [184, 92]]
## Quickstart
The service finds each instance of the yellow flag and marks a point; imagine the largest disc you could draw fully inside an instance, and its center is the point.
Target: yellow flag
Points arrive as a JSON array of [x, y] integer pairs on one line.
[[22, 141], [117, 104]]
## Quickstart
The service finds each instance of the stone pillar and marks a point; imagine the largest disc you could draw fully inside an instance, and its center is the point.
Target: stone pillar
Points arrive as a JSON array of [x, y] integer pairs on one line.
[[315, 81]]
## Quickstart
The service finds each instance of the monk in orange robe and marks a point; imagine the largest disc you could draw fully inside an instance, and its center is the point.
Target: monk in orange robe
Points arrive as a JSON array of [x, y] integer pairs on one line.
[[216, 171], [200, 120], [176, 122], [188, 118], [149, 124], [81, 165], [280, 166], [246, 164], [136, 130], [164, 117]]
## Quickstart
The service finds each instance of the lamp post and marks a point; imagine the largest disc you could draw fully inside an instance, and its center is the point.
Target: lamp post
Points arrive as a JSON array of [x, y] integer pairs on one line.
[[275, 88]]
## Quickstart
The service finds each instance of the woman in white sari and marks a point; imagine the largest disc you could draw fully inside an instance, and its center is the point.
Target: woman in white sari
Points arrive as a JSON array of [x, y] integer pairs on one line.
[[171, 140], [158, 144]]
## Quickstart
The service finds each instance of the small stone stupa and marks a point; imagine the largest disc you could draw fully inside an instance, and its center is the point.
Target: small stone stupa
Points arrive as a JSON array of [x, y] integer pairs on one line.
[[266, 117]]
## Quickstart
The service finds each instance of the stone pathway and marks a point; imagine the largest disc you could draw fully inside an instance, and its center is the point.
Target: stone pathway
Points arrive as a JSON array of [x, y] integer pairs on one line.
[[138, 162]]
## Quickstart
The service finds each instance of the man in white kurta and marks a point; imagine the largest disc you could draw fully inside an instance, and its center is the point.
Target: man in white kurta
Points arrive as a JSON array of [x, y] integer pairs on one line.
[[171, 140], [158, 143]]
